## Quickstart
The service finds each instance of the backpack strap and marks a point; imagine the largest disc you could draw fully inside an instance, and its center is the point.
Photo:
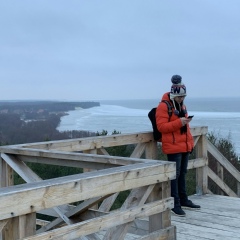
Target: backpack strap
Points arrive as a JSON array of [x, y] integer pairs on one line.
[[169, 108]]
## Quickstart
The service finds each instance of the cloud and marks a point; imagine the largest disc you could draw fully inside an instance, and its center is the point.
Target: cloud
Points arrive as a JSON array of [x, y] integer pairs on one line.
[[117, 49]]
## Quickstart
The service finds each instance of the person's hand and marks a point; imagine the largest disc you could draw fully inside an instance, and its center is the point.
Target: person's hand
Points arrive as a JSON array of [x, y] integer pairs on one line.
[[185, 120]]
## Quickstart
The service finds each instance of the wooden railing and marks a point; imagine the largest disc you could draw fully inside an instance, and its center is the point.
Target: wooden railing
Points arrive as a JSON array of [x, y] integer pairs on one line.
[[80, 205], [223, 164]]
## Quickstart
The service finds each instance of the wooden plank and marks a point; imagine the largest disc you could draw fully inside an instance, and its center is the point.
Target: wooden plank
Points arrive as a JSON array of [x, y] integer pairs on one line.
[[52, 213], [102, 151], [138, 150], [210, 218], [108, 221], [53, 192], [198, 131], [196, 138], [220, 174], [208, 232], [93, 236], [202, 173], [161, 220], [21, 168], [84, 206], [238, 189], [218, 219], [3, 173], [197, 163], [151, 151], [3, 224], [29, 176], [6, 174], [67, 162], [223, 161], [107, 203], [139, 227], [20, 227], [164, 234], [217, 199], [223, 206], [41, 222], [137, 197], [81, 144], [221, 184], [166, 193], [27, 225], [47, 156]]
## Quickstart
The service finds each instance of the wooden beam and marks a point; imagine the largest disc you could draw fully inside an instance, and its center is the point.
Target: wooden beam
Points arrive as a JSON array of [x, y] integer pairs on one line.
[[198, 131], [138, 150], [137, 197], [162, 219], [84, 206], [223, 161], [29, 176], [111, 220], [54, 192], [3, 224], [21, 168], [202, 172], [151, 151], [49, 157], [81, 144], [197, 163], [168, 233], [221, 184]]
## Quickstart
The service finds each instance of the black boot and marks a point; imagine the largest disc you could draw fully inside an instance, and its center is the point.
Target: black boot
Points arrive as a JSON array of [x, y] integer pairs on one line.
[[178, 211], [190, 205]]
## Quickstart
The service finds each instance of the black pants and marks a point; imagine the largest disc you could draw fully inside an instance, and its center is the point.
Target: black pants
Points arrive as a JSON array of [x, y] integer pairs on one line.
[[178, 185]]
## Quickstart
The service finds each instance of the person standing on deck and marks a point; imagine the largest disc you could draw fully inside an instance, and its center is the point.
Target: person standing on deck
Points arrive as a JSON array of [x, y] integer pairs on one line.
[[177, 141]]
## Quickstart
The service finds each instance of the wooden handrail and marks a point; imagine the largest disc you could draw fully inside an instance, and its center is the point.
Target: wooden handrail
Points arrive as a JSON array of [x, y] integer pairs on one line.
[[148, 181], [223, 161]]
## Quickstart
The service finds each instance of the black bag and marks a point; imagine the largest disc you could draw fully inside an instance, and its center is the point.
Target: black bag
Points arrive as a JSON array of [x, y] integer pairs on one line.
[[152, 116]]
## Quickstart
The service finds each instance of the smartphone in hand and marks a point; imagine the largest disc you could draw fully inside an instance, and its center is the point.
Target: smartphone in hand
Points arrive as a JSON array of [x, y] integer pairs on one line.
[[190, 116]]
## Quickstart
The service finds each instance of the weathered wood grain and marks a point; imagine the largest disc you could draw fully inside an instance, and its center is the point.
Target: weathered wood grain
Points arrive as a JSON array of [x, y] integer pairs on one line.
[[110, 220], [217, 219], [53, 192]]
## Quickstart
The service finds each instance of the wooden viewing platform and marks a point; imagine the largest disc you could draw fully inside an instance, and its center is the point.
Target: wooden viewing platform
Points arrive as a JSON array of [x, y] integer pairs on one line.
[[218, 219], [80, 206]]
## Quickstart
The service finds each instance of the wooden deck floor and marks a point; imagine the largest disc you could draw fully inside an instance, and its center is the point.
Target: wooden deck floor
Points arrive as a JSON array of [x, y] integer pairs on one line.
[[218, 219]]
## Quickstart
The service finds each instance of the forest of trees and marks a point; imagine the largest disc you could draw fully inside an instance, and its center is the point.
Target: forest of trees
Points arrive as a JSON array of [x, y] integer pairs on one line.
[[26, 122]]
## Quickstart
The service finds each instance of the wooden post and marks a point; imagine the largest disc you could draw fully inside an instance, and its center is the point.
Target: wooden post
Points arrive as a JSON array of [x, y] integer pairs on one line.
[[93, 151], [6, 178], [16, 227], [20, 227], [151, 151], [160, 220], [160, 191], [220, 175], [238, 189], [201, 173]]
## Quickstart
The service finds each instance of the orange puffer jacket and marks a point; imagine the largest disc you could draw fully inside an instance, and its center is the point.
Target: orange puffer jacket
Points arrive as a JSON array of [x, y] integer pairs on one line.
[[172, 139]]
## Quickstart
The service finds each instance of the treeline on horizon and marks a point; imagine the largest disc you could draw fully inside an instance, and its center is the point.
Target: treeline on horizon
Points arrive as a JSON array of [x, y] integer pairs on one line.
[[51, 106], [26, 122]]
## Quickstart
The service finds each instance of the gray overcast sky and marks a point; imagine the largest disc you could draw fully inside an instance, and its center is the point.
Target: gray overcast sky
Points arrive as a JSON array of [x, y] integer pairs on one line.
[[125, 49]]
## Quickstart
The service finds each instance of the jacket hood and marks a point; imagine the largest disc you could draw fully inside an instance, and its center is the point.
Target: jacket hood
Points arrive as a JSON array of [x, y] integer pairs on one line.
[[166, 97]]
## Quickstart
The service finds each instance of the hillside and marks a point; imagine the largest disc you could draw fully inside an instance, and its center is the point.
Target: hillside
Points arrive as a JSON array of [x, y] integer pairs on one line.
[[34, 121]]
